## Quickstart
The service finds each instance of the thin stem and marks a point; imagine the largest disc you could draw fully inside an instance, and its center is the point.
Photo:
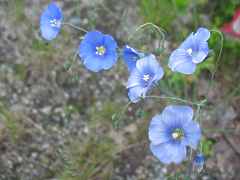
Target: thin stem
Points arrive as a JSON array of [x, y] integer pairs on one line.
[[119, 115], [218, 59], [159, 29], [74, 59], [75, 27], [219, 130], [177, 99]]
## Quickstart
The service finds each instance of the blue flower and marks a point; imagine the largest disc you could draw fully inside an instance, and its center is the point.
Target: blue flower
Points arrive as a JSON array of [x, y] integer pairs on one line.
[[142, 78], [199, 161], [98, 51], [191, 52], [171, 132], [130, 57], [50, 22]]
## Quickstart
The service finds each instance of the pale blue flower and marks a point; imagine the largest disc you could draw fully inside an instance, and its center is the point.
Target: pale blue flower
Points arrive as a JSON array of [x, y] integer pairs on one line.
[[50, 22], [142, 78], [171, 132], [98, 51], [191, 52], [130, 57]]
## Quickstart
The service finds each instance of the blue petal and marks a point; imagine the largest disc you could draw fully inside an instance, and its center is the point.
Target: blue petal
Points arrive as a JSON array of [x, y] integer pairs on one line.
[[95, 38], [202, 52], [192, 133], [52, 12], [157, 131], [49, 33], [202, 34], [181, 61], [149, 64], [87, 51], [169, 152], [130, 56], [93, 63], [134, 79], [184, 113], [135, 93], [188, 42], [109, 60], [110, 44]]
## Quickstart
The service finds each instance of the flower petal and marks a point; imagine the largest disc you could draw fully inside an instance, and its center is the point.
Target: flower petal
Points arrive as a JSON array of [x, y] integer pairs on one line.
[[93, 63], [130, 56], [202, 52], [88, 51], [157, 131], [135, 93], [134, 79], [110, 44], [181, 61], [52, 12], [184, 113], [188, 42], [109, 60], [94, 38], [49, 33], [169, 152], [192, 134], [202, 34]]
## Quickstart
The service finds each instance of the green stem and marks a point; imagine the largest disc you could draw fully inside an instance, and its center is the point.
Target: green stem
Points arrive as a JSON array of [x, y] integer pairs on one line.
[[218, 59], [75, 27], [177, 99], [160, 30]]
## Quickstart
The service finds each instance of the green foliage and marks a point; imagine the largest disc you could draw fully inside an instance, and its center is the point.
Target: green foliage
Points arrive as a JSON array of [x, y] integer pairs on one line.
[[106, 114], [21, 71], [207, 147], [162, 12], [19, 6], [15, 129], [222, 11], [92, 159], [40, 45]]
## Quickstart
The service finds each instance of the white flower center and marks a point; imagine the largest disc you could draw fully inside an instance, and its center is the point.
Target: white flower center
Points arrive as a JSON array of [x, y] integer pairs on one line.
[[189, 51], [177, 134], [146, 77], [55, 23], [100, 50]]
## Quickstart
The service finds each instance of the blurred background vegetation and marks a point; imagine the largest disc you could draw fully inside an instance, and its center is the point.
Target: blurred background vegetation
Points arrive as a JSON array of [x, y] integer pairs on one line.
[[56, 124]]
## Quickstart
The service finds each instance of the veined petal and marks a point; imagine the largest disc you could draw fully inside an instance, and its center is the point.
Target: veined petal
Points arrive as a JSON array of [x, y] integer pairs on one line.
[[134, 79], [157, 131], [49, 33], [202, 52], [202, 34], [169, 152], [199, 57], [135, 93], [181, 61], [110, 43], [188, 42], [94, 37], [130, 56], [93, 63], [109, 60], [52, 14], [192, 133], [184, 113], [98, 51]]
